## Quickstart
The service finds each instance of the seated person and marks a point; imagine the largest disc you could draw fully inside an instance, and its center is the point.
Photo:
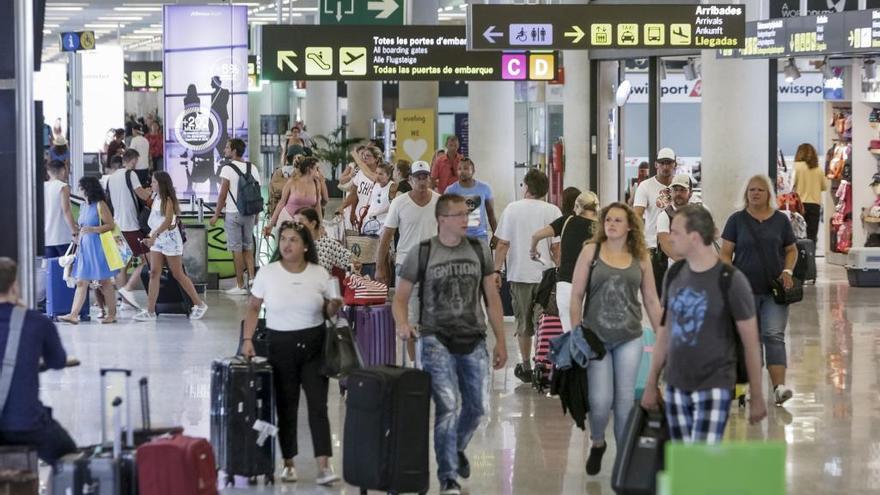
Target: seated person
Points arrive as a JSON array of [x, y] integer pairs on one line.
[[25, 420]]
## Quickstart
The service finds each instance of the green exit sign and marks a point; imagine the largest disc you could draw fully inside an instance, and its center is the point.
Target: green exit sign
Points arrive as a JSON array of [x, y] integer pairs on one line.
[[362, 12]]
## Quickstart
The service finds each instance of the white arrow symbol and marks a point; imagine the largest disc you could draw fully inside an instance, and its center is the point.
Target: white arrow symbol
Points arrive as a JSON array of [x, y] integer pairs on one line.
[[490, 34], [338, 10], [387, 7]]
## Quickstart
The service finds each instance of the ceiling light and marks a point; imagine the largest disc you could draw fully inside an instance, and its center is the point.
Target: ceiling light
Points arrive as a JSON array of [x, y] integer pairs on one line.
[[870, 69], [137, 9], [104, 25], [690, 70], [791, 71], [148, 31], [51, 25], [63, 9], [304, 9], [121, 18], [138, 36], [47, 31], [463, 6]]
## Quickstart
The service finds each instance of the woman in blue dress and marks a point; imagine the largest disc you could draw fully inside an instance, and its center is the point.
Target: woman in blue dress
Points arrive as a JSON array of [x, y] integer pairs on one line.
[[95, 218]]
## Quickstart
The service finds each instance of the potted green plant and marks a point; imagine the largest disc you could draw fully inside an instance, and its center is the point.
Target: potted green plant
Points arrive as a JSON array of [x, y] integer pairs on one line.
[[335, 149]]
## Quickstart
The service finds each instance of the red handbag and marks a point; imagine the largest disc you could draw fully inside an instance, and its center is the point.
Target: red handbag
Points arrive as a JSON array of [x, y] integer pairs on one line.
[[362, 291]]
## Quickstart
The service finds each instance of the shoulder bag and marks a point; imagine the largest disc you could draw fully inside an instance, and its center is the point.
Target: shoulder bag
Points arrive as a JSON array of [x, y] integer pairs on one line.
[[781, 295], [341, 354]]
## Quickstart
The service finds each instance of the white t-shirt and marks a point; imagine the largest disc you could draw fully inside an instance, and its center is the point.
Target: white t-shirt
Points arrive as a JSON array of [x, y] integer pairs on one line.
[[364, 186], [654, 197], [518, 222], [142, 146], [293, 301], [415, 223], [55, 228], [226, 172], [124, 209], [377, 207]]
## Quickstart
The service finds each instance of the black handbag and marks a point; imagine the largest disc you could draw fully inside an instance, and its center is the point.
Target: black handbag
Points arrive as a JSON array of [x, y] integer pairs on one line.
[[780, 294], [340, 354]]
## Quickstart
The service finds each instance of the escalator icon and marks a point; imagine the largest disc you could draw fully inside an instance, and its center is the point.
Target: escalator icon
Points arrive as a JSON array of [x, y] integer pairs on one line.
[[319, 61]]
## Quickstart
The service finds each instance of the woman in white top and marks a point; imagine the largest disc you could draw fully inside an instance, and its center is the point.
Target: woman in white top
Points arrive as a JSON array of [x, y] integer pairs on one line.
[[166, 246], [296, 292], [372, 215]]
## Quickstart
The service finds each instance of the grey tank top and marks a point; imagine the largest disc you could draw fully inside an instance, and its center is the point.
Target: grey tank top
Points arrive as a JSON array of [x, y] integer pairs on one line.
[[613, 310]]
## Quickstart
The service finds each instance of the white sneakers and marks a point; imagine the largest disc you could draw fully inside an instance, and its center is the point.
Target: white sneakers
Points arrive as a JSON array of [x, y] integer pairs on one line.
[[325, 476], [198, 311], [781, 394], [145, 315], [128, 297], [236, 291]]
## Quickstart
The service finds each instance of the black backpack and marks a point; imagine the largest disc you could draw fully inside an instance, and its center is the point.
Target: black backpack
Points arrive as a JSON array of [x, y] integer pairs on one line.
[[725, 280], [250, 194]]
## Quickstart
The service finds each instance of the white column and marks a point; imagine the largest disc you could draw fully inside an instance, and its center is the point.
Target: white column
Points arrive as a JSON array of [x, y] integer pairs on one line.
[[734, 130], [275, 98], [576, 116], [491, 114], [607, 135], [364, 105], [321, 109], [420, 94], [576, 119]]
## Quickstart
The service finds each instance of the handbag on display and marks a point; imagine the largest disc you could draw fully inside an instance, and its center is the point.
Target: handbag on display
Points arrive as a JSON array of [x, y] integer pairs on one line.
[[362, 291], [341, 354], [363, 247], [780, 294]]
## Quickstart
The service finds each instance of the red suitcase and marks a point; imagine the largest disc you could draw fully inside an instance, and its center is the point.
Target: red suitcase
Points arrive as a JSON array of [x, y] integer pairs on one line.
[[549, 326], [178, 465]]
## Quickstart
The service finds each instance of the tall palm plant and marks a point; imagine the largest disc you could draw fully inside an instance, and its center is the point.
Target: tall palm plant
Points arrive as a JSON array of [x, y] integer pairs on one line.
[[335, 148]]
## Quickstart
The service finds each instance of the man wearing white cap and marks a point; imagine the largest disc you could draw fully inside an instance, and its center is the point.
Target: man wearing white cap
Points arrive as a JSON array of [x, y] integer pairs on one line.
[[652, 197], [413, 215], [681, 195]]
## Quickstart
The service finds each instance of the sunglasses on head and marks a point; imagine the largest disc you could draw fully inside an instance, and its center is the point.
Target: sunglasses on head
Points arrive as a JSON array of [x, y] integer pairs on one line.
[[289, 224]]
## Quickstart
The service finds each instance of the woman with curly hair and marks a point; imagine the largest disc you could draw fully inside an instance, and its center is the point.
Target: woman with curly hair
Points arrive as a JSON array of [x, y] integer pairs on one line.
[[621, 266]]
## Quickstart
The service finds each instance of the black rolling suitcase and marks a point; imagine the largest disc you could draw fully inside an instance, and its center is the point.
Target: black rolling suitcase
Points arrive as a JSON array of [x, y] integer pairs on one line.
[[172, 299], [805, 268], [241, 394], [640, 454], [385, 444], [107, 469]]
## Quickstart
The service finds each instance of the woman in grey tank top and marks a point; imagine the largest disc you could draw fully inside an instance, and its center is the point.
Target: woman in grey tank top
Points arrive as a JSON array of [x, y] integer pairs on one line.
[[621, 269]]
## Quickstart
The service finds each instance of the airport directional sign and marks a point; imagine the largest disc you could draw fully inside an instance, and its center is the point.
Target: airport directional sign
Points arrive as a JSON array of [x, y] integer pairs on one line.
[[77, 41], [620, 26], [402, 53], [362, 12]]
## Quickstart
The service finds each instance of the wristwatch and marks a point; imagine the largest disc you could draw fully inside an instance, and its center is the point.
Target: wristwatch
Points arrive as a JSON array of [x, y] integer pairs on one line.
[[789, 272]]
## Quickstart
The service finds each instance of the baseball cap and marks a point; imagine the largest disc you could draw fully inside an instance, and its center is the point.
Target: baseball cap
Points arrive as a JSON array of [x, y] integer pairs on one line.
[[875, 179], [665, 154], [681, 180], [420, 166]]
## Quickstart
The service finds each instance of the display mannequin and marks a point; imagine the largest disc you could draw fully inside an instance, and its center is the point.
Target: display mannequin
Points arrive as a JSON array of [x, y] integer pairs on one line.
[[871, 216]]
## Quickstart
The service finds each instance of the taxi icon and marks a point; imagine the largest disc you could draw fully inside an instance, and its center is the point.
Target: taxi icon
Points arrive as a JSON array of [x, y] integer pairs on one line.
[[628, 37]]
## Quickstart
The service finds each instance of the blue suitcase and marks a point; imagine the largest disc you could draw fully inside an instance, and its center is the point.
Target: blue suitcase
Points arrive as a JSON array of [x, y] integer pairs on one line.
[[59, 297]]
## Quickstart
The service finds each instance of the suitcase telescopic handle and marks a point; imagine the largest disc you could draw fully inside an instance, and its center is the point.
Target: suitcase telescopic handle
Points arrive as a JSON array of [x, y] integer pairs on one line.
[[144, 387], [129, 429]]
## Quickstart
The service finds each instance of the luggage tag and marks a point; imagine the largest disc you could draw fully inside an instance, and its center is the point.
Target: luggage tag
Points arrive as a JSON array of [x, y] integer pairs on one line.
[[265, 430]]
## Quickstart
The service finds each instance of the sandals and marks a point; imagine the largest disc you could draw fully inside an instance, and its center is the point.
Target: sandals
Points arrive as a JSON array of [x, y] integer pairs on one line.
[[108, 320], [73, 320]]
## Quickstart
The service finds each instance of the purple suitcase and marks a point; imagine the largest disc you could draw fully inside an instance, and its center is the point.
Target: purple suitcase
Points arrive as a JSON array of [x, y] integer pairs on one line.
[[374, 331]]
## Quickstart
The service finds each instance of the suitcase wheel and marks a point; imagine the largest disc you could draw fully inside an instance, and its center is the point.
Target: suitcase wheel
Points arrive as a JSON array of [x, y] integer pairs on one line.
[[742, 401], [269, 480], [363, 491], [253, 480], [230, 480]]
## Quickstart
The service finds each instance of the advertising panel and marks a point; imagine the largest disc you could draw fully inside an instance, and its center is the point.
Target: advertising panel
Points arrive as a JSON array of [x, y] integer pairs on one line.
[[415, 134], [103, 101], [206, 90]]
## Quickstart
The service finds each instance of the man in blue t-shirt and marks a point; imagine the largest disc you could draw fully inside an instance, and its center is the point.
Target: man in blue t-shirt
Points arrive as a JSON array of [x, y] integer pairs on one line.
[[25, 420], [480, 203]]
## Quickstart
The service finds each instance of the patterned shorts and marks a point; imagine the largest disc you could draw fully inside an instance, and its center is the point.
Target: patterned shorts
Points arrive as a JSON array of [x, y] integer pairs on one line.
[[169, 243], [699, 416]]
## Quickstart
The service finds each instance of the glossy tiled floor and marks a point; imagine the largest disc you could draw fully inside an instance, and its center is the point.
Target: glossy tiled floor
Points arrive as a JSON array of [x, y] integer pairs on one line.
[[526, 445]]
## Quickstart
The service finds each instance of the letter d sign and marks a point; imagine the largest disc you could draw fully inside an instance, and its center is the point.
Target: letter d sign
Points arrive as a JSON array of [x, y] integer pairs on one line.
[[541, 66]]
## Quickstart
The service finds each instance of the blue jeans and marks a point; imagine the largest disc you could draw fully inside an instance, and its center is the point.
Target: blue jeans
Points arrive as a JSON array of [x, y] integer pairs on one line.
[[772, 320], [460, 387], [612, 382]]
